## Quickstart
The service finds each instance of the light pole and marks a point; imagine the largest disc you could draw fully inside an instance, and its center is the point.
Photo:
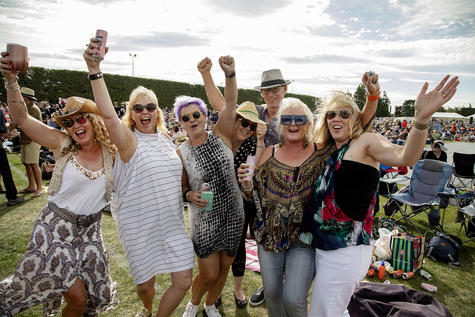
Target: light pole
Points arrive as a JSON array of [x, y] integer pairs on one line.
[[133, 59]]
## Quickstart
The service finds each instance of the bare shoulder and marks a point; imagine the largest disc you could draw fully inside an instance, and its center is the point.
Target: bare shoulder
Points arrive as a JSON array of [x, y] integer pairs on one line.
[[265, 155]]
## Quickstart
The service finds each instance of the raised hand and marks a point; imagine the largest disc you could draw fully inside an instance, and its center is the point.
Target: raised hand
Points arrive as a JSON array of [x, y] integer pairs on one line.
[[428, 103], [261, 131], [227, 64], [6, 68], [204, 66], [89, 55], [371, 81]]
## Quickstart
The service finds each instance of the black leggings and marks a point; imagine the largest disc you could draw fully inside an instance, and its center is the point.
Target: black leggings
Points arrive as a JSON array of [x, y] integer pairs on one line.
[[239, 264]]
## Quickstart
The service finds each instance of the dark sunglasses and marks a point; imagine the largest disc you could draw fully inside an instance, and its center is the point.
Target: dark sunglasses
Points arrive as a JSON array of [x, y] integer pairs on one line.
[[186, 117], [69, 122], [344, 114], [138, 108], [246, 123], [298, 119]]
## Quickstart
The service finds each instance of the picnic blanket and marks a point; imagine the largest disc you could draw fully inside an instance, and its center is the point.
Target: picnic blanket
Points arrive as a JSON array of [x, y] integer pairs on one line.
[[252, 261]]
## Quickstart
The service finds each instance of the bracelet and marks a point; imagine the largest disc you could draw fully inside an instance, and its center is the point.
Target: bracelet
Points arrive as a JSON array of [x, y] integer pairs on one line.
[[186, 193], [260, 146], [420, 126], [246, 189], [230, 75], [372, 98], [13, 89], [94, 76], [7, 84]]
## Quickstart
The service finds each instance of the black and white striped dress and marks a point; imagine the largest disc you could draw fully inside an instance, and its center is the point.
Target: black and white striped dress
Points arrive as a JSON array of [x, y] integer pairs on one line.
[[148, 208], [218, 229]]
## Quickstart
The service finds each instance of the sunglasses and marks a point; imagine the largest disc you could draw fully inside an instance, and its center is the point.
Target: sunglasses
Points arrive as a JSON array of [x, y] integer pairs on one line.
[[246, 123], [344, 114], [187, 117], [273, 90], [298, 119], [69, 122], [138, 108]]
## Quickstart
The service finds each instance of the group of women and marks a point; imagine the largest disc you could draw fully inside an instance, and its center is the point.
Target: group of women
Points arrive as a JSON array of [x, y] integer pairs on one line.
[[310, 220]]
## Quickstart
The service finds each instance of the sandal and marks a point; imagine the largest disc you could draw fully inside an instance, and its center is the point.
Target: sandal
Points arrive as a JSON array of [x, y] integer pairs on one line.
[[240, 303]]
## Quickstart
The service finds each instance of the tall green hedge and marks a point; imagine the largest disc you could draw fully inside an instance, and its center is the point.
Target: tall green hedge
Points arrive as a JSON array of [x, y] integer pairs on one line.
[[51, 84]]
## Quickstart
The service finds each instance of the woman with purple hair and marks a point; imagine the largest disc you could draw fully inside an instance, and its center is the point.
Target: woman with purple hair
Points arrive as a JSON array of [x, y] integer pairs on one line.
[[207, 158]]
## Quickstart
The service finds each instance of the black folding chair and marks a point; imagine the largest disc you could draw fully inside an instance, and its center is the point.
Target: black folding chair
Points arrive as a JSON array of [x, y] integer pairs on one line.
[[463, 173]]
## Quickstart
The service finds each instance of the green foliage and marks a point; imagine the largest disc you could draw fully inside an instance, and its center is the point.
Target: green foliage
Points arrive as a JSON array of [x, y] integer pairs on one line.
[[384, 106], [406, 110], [51, 84], [360, 96]]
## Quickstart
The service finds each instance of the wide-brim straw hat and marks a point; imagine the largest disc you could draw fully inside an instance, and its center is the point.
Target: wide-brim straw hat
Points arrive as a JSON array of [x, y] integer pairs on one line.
[[28, 92], [272, 78], [76, 105], [180, 139], [248, 111]]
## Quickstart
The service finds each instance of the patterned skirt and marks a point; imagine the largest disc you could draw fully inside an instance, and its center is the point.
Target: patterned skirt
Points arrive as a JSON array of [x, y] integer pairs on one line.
[[63, 247]]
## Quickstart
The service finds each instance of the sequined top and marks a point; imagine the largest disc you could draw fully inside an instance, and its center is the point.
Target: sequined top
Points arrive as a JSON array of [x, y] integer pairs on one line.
[[284, 191]]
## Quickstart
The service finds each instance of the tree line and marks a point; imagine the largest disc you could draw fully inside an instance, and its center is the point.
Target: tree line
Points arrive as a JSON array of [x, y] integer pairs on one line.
[[52, 84]]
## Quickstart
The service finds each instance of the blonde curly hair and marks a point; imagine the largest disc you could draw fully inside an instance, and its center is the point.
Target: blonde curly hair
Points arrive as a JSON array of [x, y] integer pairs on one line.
[[138, 92], [100, 135], [337, 100]]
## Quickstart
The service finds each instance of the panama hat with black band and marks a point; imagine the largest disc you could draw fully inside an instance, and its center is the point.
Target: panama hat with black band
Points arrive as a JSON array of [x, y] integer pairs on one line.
[[272, 78], [28, 93]]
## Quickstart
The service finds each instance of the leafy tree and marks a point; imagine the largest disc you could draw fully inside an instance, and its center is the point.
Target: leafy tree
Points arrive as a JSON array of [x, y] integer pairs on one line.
[[384, 106], [360, 96]]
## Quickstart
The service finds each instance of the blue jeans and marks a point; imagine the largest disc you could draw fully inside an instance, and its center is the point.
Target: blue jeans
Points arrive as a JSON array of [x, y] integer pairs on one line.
[[287, 277]]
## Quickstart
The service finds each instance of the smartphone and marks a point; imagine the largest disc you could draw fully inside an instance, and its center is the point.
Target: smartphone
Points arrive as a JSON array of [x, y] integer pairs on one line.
[[101, 35], [19, 56], [208, 196]]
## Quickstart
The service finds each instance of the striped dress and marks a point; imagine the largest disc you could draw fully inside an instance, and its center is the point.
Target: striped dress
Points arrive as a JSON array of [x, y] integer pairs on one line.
[[148, 208]]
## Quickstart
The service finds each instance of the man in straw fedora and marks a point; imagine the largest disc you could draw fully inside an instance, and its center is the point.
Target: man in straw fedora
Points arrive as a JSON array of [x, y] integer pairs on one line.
[[30, 151]]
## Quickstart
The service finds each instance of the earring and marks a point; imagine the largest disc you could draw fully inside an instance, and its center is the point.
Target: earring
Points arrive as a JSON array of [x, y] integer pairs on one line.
[[281, 140]]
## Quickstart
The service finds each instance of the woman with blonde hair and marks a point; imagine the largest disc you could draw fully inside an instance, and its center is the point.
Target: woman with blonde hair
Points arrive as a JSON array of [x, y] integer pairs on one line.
[[147, 204], [337, 222], [66, 256]]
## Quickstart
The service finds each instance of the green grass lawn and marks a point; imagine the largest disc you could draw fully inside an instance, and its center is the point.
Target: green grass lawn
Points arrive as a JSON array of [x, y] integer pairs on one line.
[[455, 285]]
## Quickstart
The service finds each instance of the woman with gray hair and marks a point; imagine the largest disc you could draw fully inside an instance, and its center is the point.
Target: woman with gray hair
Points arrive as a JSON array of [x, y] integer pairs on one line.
[[147, 204]]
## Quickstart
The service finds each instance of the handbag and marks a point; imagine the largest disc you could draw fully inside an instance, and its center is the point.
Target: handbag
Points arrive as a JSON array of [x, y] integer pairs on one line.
[[407, 252]]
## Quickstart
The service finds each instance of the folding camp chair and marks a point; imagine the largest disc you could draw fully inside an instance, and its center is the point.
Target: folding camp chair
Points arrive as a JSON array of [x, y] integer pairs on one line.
[[390, 177], [428, 182], [463, 174], [467, 215]]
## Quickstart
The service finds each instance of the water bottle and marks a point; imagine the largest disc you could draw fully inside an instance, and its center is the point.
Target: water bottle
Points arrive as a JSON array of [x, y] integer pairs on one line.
[[381, 271]]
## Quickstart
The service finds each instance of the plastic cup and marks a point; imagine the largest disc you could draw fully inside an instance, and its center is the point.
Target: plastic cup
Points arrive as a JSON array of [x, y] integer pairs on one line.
[[251, 162], [18, 54]]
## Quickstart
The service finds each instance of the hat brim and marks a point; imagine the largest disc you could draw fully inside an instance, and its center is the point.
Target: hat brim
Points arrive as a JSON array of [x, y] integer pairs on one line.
[[286, 82], [250, 118], [88, 106], [29, 96]]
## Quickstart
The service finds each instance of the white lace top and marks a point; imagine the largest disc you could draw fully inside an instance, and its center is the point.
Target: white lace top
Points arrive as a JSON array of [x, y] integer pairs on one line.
[[90, 199]]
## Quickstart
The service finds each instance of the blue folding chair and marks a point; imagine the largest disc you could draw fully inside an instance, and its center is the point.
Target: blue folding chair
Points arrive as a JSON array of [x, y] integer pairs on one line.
[[427, 185]]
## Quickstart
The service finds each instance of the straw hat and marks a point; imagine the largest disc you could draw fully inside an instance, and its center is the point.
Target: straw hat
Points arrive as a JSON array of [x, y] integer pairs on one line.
[[28, 93], [180, 139], [272, 78], [76, 105], [248, 111]]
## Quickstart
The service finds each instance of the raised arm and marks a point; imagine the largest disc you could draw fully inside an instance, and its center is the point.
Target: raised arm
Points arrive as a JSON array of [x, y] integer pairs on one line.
[[212, 92], [425, 106], [120, 134], [224, 126], [35, 129], [371, 81]]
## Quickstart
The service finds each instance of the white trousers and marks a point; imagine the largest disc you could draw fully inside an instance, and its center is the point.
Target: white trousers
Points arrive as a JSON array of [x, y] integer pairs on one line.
[[338, 272]]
